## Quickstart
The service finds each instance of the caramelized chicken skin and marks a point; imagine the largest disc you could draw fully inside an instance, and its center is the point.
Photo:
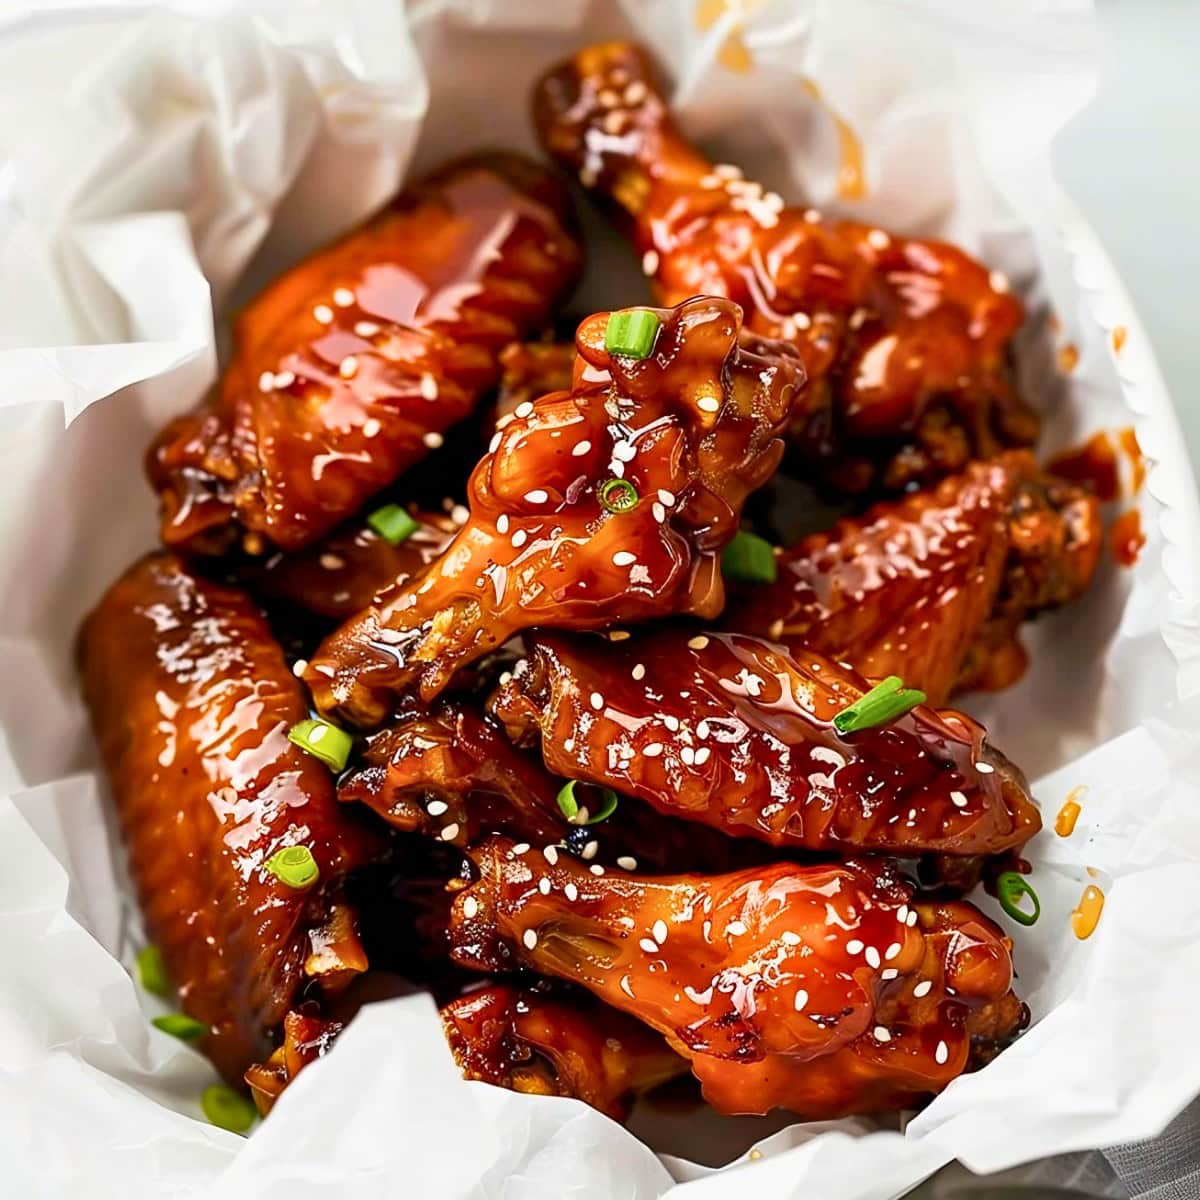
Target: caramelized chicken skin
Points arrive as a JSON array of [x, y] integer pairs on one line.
[[933, 587], [730, 731], [352, 365], [693, 428], [906, 340], [191, 701], [821, 989], [538, 1044]]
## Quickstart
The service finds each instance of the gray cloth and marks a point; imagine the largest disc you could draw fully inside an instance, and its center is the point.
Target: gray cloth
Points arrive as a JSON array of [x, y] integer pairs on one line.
[[1166, 1167]]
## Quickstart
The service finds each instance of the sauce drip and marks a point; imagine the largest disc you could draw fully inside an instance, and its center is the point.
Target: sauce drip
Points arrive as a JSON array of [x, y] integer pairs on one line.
[[1117, 338], [851, 175], [1086, 914], [1127, 439], [1064, 823], [1094, 464], [1068, 358], [1127, 537]]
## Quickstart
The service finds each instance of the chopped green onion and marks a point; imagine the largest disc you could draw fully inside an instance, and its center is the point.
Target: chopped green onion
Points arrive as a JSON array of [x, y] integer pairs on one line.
[[883, 703], [294, 866], [393, 524], [227, 1109], [322, 740], [152, 971], [617, 495], [1011, 889], [179, 1025], [571, 808], [631, 332], [749, 558]]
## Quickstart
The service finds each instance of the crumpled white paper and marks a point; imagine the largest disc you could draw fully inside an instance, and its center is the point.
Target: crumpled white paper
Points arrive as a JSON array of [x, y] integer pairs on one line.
[[155, 164]]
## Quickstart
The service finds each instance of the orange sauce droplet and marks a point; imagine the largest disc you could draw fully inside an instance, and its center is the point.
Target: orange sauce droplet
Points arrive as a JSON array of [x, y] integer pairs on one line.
[[1117, 338], [708, 12], [1054, 323], [852, 173], [1068, 358], [1127, 537], [1093, 873], [1064, 823], [1086, 914], [734, 55], [1137, 460], [1094, 463]]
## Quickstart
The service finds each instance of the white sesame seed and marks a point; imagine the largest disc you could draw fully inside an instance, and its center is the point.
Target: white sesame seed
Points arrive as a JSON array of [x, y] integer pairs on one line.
[[581, 448], [470, 907], [923, 988], [537, 496], [343, 297], [624, 451], [284, 379], [872, 957], [801, 1000], [892, 951], [519, 539], [597, 701], [523, 409], [550, 853], [589, 851], [624, 558], [627, 862], [450, 832], [323, 313], [942, 1053], [433, 439], [299, 667], [460, 514], [911, 919], [882, 1034], [650, 262], [703, 755], [266, 381], [726, 171], [544, 886], [649, 946], [635, 93], [878, 239], [659, 932], [789, 938], [959, 801], [708, 404], [371, 427], [521, 848], [812, 216], [698, 642], [596, 869], [668, 498], [854, 946], [529, 938], [435, 808], [569, 745], [688, 755], [366, 329], [429, 387], [502, 523], [639, 671], [984, 768], [571, 892], [889, 973], [331, 562], [702, 730], [902, 913], [736, 928], [659, 513], [998, 281], [653, 750]]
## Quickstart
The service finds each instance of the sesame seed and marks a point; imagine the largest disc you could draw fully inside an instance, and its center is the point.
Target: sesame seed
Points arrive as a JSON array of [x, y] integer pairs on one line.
[[635, 93], [789, 938], [708, 404], [659, 931], [371, 427], [959, 801], [659, 513], [284, 379], [597, 701], [502, 523], [726, 171], [649, 946], [571, 892], [470, 907], [589, 851], [882, 1034], [433, 440], [550, 853], [348, 367], [653, 750], [890, 973], [998, 281], [596, 869], [624, 451], [530, 938], [872, 957], [537, 496], [854, 946], [942, 1053], [702, 729], [581, 448], [429, 387], [519, 539], [650, 262], [736, 928], [366, 329], [702, 756], [343, 297], [667, 498], [892, 951], [460, 514], [923, 988], [801, 1000], [521, 848], [435, 808], [639, 671], [544, 886], [494, 444], [323, 313], [688, 755], [698, 643], [624, 558], [266, 381], [523, 409], [331, 562], [911, 919], [902, 913], [984, 768], [812, 215], [878, 239], [569, 745], [607, 98], [627, 862], [450, 832]]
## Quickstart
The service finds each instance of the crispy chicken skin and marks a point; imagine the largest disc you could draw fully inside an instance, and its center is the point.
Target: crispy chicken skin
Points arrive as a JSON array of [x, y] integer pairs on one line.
[[693, 428], [537, 1044], [191, 701], [904, 340], [820, 989], [934, 587], [352, 365], [730, 731]]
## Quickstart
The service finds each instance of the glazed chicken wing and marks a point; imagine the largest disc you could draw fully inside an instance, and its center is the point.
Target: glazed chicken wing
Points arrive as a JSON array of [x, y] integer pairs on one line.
[[352, 365], [933, 587], [529, 370], [557, 1047], [607, 503], [904, 340], [730, 731], [191, 701], [821, 989]]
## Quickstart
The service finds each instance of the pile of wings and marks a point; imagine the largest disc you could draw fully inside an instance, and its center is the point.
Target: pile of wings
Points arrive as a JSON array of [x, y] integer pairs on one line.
[[434, 706]]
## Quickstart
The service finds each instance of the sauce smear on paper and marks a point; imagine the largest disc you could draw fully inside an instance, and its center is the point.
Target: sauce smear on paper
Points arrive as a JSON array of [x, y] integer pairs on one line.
[[1086, 915], [1137, 461], [1094, 464], [1127, 537]]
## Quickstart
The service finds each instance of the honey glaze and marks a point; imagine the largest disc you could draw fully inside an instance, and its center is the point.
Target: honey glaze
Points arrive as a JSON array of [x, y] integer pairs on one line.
[[1127, 538], [1086, 914]]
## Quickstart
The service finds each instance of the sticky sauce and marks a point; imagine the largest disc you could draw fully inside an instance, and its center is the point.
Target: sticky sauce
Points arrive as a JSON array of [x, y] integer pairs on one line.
[[1127, 440], [1127, 538], [1117, 338], [1094, 463], [1064, 823], [1068, 358], [852, 175], [1086, 914]]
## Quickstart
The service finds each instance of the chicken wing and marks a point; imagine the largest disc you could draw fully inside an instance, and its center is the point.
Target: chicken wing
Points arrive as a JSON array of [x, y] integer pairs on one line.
[[679, 438], [530, 370], [906, 340], [730, 731], [822, 989], [191, 701], [934, 587], [352, 365]]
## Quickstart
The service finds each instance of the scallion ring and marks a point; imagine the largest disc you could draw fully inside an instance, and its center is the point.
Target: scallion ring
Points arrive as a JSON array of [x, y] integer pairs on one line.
[[1011, 889], [749, 559], [617, 495], [393, 524], [228, 1109], [571, 808], [631, 332], [152, 971], [294, 866], [322, 740], [180, 1025], [883, 703]]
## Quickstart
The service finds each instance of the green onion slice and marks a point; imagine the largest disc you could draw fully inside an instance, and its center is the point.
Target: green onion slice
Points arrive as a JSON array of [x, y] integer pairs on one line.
[[322, 740], [294, 866], [570, 807], [152, 971], [883, 703], [749, 558], [617, 495], [631, 332], [393, 523], [1011, 889], [227, 1108], [179, 1025]]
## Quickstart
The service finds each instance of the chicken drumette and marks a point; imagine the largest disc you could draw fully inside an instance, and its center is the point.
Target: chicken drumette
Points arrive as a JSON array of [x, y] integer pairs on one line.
[[905, 341]]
